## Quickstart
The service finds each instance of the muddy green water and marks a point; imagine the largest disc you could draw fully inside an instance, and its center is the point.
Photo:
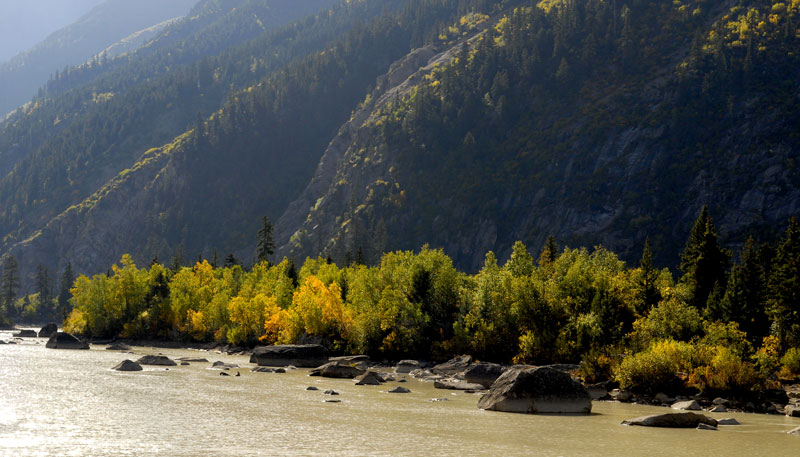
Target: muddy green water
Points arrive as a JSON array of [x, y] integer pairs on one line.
[[56, 402]]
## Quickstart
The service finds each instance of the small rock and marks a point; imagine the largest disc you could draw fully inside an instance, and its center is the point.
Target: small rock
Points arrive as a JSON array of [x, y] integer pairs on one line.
[[702, 426], [399, 390], [406, 366], [222, 373], [795, 431], [48, 330], [454, 384], [118, 347], [401, 380], [719, 409], [127, 365], [438, 399], [220, 365], [598, 391], [330, 392], [690, 405], [185, 363], [311, 388], [157, 360], [192, 360], [623, 396], [453, 366], [728, 421], [262, 370], [337, 369], [369, 378], [672, 420], [238, 374], [792, 411], [720, 401], [25, 334], [280, 370], [663, 398], [332, 400]]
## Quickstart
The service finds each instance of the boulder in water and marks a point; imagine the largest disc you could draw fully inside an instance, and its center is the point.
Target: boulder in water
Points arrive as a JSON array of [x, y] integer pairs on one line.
[[220, 365], [369, 378], [455, 384], [672, 420], [690, 405], [48, 330], [118, 347], [537, 390], [299, 355], [483, 373], [702, 426], [160, 360], [406, 366], [453, 366], [399, 390], [61, 340], [728, 421], [337, 369], [25, 334], [128, 365]]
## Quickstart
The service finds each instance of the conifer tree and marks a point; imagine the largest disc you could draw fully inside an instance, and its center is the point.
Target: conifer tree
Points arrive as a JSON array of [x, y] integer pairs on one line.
[[521, 262], [746, 293], [43, 286], [9, 284], [230, 261], [704, 265], [266, 244], [67, 279], [549, 252], [649, 294], [784, 287]]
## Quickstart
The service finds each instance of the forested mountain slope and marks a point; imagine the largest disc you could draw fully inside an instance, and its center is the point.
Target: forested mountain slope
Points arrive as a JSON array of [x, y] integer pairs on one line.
[[103, 26], [382, 125], [594, 121]]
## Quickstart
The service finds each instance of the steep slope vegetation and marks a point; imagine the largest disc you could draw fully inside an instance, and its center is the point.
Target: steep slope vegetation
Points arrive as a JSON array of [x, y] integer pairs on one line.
[[576, 119], [104, 25]]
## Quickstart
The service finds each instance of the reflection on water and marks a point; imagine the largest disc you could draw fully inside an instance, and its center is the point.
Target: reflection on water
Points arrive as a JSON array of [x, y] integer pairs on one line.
[[55, 402]]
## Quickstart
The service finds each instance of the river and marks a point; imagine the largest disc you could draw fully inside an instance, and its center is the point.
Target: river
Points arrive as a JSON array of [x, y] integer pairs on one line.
[[60, 402]]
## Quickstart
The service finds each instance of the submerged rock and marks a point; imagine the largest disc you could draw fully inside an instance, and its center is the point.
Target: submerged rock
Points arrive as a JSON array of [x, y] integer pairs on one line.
[[118, 347], [220, 365], [128, 365], [702, 426], [160, 360], [455, 384], [48, 330], [330, 392], [718, 409], [61, 340], [728, 421], [192, 359], [337, 369], [672, 420], [399, 390], [483, 373], [537, 390], [25, 334], [312, 388], [299, 355]]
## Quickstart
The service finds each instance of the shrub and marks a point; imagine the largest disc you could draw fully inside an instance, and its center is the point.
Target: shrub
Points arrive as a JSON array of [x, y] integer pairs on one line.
[[671, 319], [653, 370], [791, 363], [598, 365], [725, 372]]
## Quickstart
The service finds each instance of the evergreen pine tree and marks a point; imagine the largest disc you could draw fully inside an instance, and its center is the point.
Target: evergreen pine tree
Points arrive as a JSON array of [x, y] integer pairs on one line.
[[230, 261], [649, 294], [67, 279], [549, 252], [745, 295], [784, 287], [266, 244], [9, 284], [43, 285], [704, 264]]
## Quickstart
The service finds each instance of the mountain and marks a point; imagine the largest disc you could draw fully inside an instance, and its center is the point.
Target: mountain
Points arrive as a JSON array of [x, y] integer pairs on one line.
[[104, 25], [23, 23], [375, 126]]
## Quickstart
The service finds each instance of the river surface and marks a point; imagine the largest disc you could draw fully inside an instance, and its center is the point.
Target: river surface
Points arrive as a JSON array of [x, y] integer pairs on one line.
[[60, 402]]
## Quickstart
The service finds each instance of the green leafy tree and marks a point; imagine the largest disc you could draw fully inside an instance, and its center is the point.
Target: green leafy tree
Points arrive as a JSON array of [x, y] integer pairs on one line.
[[521, 262]]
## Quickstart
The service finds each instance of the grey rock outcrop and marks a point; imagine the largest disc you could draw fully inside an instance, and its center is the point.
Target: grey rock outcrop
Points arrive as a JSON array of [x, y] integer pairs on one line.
[[61, 340], [453, 366], [299, 355], [536, 390], [127, 365], [159, 360], [672, 420], [338, 369], [48, 330], [483, 373]]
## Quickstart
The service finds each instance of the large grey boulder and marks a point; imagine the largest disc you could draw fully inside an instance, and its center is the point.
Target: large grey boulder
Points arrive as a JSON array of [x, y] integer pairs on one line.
[[672, 420], [483, 373], [299, 355], [48, 330], [453, 366], [337, 369], [25, 334], [160, 360], [536, 390], [128, 365], [61, 340]]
